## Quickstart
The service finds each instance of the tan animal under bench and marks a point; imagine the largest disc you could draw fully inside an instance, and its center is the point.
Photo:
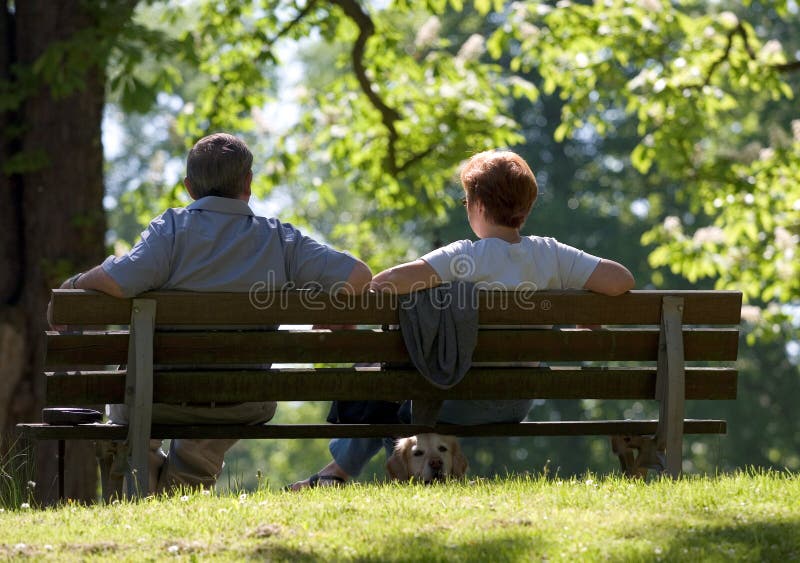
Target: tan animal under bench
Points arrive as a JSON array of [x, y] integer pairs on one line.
[[427, 458]]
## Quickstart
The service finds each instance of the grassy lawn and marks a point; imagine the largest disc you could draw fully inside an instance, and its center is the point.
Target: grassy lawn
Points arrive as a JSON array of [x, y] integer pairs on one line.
[[742, 517]]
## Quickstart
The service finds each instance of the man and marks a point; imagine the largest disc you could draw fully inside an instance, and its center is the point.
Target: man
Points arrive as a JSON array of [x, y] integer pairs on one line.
[[215, 244]]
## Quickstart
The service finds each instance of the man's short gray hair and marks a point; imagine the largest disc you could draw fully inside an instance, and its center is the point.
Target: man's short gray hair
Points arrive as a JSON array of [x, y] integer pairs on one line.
[[219, 165]]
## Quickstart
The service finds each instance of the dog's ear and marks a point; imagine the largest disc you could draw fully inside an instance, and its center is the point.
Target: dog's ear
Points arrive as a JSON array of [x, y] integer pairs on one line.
[[460, 463], [397, 464]]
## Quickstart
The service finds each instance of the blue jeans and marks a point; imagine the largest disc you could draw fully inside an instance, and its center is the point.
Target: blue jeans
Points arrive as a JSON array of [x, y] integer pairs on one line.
[[353, 454]]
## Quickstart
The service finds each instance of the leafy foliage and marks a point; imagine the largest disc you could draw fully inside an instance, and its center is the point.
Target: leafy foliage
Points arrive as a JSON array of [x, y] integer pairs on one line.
[[697, 84], [394, 105], [446, 108], [387, 128]]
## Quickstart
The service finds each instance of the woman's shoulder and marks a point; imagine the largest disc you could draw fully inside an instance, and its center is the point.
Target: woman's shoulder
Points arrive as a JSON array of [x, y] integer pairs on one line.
[[457, 246], [544, 244], [541, 241]]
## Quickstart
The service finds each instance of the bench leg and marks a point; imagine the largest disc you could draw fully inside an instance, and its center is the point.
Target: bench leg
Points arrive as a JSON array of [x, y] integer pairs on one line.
[[62, 451], [139, 394], [671, 384]]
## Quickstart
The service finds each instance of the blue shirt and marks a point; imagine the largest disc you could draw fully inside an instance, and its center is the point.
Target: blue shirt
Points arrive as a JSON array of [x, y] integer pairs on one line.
[[219, 244]]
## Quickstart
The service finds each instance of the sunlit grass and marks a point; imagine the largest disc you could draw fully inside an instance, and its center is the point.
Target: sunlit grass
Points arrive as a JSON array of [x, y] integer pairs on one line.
[[16, 485], [744, 517]]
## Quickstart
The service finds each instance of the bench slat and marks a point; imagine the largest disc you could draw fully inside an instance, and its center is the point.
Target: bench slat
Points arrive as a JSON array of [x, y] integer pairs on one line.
[[294, 431], [545, 307], [203, 348], [389, 385]]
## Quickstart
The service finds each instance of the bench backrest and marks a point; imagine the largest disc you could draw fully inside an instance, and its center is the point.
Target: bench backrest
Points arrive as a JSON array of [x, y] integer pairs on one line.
[[623, 355]]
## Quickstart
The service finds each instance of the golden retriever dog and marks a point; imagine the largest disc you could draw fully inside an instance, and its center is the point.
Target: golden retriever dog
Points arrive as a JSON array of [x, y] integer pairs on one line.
[[427, 458]]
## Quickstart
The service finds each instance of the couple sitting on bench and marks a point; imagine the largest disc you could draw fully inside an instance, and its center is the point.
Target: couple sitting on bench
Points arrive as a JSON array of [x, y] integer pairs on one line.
[[218, 244]]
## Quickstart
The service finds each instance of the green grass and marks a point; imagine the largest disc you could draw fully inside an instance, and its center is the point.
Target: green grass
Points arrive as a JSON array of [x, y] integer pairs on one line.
[[16, 485], [744, 517]]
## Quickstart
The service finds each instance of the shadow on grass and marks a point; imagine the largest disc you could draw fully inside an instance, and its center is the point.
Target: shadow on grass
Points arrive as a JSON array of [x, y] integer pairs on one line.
[[745, 541], [758, 540], [518, 543]]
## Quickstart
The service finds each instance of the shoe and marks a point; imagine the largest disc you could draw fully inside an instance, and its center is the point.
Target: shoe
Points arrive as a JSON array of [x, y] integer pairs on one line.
[[317, 480]]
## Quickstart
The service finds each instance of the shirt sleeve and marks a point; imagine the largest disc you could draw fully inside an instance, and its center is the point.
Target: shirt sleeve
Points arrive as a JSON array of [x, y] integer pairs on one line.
[[147, 265], [309, 262], [574, 266], [456, 261]]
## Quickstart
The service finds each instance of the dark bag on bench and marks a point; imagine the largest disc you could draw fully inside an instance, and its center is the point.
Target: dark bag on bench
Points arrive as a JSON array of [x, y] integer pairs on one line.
[[71, 416]]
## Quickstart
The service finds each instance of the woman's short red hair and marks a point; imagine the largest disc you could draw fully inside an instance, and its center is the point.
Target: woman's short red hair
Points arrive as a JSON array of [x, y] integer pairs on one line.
[[504, 183]]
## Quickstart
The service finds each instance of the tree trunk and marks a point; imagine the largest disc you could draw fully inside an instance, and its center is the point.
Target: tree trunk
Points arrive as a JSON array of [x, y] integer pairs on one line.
[[52, 217]]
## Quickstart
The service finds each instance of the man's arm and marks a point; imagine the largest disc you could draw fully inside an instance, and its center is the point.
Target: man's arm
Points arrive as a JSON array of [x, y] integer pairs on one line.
[[358, 280], [96, 279], [405, 278], [610, 278]]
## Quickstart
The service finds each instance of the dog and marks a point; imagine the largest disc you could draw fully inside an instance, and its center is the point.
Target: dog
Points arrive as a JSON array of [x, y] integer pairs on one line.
[[427, 458]]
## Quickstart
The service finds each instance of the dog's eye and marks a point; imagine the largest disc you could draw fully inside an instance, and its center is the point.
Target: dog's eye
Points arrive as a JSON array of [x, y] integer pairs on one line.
[[442, 448], [418, 453]]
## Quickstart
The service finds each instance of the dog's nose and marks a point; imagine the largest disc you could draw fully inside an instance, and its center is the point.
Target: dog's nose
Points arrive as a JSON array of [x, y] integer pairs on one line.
[[435, 463]]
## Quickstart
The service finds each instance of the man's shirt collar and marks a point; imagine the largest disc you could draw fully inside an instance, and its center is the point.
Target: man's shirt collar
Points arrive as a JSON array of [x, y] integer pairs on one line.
[[222, 205]]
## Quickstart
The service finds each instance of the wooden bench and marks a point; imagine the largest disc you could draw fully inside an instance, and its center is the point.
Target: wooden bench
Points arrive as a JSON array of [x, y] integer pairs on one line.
[[646, 350]]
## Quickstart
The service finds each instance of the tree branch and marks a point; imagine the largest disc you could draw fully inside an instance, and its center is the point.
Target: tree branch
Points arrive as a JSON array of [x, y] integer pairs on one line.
[[301, 14], [265, 51], [741, 31], [416, 157], [792, 66], [738, 30], [366, 28]]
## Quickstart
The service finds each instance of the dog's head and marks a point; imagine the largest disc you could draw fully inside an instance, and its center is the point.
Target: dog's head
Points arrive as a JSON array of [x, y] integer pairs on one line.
[[427, 458]]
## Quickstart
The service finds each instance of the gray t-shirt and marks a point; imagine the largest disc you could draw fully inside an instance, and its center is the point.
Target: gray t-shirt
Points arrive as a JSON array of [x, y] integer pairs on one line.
[[219, 244], [532, 264], [536, 263]]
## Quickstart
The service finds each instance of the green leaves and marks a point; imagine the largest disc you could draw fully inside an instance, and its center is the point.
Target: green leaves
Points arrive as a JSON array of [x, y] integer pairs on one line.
[[642, 157], [696, 84], [754, 237]]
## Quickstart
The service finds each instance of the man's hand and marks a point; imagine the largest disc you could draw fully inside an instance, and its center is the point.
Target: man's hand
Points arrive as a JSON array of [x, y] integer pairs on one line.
[[96, 279]]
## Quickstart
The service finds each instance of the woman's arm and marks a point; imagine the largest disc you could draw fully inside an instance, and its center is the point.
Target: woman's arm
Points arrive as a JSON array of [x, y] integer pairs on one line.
[[610, 278], [406, 278]]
